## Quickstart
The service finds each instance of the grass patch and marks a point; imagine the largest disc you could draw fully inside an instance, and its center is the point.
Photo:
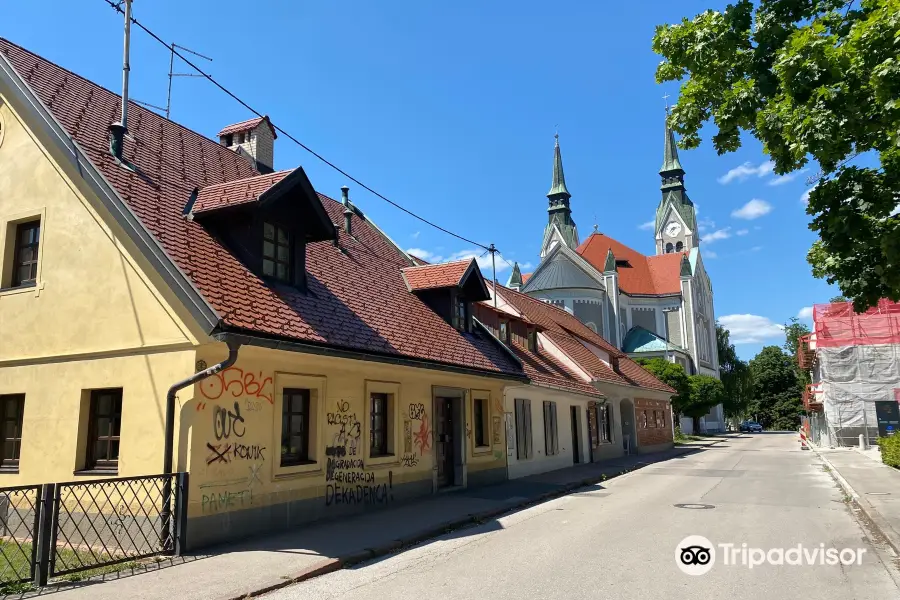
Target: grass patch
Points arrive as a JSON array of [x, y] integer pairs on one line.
[[16, 564]]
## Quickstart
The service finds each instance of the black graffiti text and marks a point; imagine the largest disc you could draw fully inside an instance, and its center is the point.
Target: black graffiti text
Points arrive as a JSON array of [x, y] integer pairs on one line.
[[245, 452], [416, 411], [409, 459], [358, 494], [226, 422]]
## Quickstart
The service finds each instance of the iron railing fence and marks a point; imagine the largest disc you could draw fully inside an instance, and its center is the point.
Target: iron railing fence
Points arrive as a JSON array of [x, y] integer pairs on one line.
[[56, 529], [19, 519]]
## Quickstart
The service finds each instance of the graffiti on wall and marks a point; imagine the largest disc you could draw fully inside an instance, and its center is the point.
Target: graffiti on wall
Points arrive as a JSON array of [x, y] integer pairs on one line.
[[496, 430], [349, 429], [237, 383], [409, 459], [422, 436], [231, 494]]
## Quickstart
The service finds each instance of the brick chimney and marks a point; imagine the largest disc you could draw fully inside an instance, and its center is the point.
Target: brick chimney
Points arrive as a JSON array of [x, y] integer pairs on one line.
[[254, 139]]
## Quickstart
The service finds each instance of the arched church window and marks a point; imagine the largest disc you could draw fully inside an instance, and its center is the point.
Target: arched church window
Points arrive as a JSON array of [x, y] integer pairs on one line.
[[679, 247], [592, 325], [669, 248]]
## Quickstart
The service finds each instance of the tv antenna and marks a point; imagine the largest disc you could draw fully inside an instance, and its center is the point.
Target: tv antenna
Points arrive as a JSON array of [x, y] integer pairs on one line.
[[168, 107]]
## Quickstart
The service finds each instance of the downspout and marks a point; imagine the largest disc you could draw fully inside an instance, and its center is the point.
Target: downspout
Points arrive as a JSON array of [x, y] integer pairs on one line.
[[177, 544], [233, 347]]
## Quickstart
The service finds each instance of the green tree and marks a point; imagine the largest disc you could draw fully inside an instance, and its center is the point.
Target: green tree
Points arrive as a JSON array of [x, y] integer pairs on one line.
[[838, 299], [777, 391], [810, 79], [673, 375], [792, 333], [706, 392], [735, 375]]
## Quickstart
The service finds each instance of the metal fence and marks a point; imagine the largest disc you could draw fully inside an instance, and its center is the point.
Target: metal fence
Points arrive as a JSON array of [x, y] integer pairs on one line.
[[57, 529]]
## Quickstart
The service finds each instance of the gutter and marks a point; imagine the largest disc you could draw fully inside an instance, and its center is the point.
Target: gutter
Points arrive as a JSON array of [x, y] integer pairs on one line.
[[310, 348]]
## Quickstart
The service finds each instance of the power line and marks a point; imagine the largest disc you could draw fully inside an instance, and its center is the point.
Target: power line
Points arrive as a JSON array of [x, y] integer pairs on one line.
[[116, 6]]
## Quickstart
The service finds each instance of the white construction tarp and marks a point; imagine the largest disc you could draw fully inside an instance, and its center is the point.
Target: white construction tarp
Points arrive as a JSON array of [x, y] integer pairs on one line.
[[853, 378]]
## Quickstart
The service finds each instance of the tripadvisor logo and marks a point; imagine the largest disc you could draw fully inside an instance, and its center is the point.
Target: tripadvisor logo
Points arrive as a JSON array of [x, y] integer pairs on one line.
[[696, 555]]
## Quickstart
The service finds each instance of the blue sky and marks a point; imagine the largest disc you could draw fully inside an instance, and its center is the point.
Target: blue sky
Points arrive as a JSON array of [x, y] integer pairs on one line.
[[450, 110]]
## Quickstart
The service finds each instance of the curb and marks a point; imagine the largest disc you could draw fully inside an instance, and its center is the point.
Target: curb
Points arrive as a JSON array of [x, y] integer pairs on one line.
[[330, 565], [871, 514]]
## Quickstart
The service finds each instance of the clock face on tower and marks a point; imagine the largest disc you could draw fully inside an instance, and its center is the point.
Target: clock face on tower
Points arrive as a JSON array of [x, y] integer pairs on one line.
[[673, 229]]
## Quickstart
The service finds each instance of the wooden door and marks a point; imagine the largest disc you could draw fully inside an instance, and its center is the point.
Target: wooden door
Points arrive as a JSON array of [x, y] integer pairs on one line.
[[443, 435]]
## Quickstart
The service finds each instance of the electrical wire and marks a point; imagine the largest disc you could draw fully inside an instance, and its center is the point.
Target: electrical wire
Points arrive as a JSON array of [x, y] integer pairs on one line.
[[117, 7]]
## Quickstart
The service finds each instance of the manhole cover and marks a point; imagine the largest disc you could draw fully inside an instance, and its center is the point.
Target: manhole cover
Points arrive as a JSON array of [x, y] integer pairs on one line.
[[695, 506]]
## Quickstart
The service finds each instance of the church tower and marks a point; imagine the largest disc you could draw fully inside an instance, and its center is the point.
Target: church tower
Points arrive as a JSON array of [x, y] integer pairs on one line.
[[560, 226], [676, 217]]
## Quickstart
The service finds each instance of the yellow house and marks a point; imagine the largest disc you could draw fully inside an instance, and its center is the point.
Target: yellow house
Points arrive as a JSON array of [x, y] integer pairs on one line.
[[169, 302]]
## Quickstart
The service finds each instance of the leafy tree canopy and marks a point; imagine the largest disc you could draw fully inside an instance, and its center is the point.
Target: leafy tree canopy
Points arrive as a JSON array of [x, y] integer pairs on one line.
[[777, 389], [673, 375], [838, 299], [735, 374], [810, 79], [706, 392], [792, 333]]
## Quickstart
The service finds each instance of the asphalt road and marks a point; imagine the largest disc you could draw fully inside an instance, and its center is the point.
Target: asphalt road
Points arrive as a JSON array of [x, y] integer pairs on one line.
[[619, 540]]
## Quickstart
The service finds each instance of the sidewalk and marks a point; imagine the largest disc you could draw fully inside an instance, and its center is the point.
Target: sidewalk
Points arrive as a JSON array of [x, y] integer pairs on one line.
[[266, 563], [874, 487]]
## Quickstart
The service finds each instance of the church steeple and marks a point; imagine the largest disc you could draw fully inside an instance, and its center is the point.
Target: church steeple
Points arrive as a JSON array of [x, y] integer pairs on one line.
[[671, 172], [560, 226], [676, 217], [558, 188]]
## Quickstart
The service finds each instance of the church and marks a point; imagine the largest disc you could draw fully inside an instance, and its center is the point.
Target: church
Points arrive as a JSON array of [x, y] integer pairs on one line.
[[649, 306]]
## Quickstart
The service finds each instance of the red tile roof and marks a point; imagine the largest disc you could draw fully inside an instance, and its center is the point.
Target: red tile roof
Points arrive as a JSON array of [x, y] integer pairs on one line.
[[356, 298], [644, 275], [541, 367], [231, 193], [248, 125], [567, 332], [525, 278], [443, 275]]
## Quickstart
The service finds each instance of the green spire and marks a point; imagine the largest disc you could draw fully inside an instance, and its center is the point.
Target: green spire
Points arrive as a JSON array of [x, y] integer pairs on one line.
[[559, 178], [610, 265], [670, 153], [515, 279]]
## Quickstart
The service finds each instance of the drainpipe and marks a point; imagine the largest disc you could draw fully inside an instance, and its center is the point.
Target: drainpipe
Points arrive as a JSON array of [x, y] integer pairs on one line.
[[166, 512], [233, 347]]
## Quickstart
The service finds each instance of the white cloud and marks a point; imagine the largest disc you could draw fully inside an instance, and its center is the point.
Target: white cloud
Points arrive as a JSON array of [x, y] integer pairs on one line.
[[751, 329], [647, 226], [718, 234], [756, 248], [783, 179], [482, 258], [752, 210], [805, 313], [705, 224], [525, 266], [742, 231], [415, 235], [710, 254], [746, 170]]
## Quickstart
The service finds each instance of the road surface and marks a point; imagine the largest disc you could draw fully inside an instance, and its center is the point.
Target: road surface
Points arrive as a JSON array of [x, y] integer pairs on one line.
[[619, 540]]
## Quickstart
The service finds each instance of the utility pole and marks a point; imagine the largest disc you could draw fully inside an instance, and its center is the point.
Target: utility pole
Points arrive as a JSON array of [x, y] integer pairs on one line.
[[493, 250]]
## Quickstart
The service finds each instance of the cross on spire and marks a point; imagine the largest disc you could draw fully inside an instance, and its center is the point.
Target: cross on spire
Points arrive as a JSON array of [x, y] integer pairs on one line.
[[666, 98]]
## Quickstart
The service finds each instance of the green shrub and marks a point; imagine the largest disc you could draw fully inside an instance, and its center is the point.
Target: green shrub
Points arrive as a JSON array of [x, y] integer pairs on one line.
[[890, 450]]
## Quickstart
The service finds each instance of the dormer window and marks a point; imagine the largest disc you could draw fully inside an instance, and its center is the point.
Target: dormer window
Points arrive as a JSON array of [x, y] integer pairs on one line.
[[276, 253], [504, 332], [460, 310], [532, 340]]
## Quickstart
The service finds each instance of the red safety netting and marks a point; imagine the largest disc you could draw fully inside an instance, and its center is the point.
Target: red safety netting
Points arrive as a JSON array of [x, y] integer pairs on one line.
[[838, 325]]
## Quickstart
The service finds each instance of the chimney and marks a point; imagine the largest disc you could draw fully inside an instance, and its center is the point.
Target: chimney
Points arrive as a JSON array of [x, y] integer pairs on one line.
[[254, 138], [348, 212]]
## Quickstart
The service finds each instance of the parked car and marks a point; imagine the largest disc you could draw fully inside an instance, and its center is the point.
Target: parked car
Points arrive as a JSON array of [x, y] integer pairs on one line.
[[751, 427]]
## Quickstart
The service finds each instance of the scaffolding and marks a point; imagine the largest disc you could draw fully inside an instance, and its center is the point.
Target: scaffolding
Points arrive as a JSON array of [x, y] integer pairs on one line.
[[856, 363]]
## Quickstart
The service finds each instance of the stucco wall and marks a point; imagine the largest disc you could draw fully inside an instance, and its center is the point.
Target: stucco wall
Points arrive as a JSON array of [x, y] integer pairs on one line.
[[237, 483], [91, 295], [590, 312], [540, 462]]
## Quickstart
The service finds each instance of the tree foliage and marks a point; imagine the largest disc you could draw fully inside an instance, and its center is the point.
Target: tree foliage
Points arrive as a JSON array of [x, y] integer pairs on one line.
[[706, 392], [792, 333], [736, 378], [673, 375], [810, 79], [777, 390], [838, 299]]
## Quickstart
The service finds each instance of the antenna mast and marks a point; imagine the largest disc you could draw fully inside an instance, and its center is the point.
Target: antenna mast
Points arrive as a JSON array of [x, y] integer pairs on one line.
[[172, 74], [126, 66]]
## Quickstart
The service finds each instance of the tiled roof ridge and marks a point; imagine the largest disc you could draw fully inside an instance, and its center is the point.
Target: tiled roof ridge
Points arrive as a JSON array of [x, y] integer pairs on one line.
[[213, 186], [131, 103], [594, 234], [443, 264]]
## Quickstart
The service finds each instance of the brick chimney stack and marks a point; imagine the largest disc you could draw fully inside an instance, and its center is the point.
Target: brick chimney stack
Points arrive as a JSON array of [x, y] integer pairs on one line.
[[254, 139]]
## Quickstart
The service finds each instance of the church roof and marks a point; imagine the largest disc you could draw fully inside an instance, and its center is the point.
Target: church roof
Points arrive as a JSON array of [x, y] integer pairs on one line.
[[639, 339], [639, 275], [670, 152]]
